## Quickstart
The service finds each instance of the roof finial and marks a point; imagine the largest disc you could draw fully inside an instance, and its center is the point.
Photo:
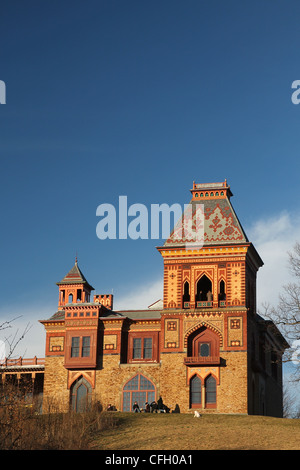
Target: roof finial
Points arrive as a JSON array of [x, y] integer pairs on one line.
[[76, 258]]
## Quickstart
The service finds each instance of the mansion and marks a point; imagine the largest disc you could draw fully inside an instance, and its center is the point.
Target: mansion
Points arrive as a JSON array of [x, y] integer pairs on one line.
[[202, 347]]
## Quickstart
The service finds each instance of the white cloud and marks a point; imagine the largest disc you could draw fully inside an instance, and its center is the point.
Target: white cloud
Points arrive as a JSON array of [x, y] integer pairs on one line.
[[141, 297], [273, 238], [21, 320]]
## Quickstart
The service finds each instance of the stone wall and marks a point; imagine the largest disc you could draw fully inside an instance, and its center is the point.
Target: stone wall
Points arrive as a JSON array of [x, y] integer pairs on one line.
[[56, 394], [232, 393]]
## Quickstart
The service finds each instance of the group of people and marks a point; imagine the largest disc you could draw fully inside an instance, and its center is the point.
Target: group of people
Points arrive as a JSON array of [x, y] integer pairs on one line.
[[149, 408], [153, 407]]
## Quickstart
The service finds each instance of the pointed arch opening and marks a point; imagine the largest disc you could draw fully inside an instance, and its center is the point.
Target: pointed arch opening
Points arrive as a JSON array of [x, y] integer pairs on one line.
[[80, 395], [204, 290], [186, 295], [222, 291], [210, 392], [195, 392], [203, 347]]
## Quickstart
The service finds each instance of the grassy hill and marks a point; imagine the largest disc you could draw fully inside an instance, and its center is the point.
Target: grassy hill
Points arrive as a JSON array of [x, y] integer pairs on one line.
[[210, 432]]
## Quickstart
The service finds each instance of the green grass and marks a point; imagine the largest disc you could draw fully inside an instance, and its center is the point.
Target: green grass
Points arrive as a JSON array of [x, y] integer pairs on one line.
[[210, 432]]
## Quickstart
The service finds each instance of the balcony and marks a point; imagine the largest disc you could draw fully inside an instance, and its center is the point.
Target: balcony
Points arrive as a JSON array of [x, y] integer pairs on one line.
[[201, 360], [22, 362], [204, 304]]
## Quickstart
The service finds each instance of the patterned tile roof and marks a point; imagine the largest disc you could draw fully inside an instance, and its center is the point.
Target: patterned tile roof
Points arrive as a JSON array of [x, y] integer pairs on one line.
[[213, 215]]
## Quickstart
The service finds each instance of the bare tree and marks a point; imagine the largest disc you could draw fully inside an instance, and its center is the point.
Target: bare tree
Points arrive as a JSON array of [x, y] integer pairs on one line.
[[291, 406], [286, 315], [12, 340]]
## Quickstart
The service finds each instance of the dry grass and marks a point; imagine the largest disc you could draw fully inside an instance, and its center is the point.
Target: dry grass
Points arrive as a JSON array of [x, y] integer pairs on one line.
[[210, 432], [23, 428]]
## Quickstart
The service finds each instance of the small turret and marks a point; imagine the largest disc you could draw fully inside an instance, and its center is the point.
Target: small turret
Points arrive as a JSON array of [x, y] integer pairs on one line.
[[74, 288]]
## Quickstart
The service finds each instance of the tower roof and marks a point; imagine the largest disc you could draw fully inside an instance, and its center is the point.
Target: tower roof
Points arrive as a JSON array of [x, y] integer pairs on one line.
[[75, 276], [219, 222]]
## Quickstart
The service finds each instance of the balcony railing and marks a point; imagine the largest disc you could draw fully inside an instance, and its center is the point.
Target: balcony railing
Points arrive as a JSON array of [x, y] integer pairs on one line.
[[201, 360], [205, 304], [21, 361]]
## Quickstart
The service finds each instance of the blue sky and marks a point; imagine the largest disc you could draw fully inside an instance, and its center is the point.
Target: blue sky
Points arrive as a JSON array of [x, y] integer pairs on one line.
[[138, 98]]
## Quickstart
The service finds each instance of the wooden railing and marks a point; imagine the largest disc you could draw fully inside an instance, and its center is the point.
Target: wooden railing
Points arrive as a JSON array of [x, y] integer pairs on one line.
[[22, 361], [198, 360]]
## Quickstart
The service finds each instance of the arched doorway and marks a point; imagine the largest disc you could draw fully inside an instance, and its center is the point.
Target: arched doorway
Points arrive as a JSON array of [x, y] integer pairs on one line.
[[80, 396], [139, 389]]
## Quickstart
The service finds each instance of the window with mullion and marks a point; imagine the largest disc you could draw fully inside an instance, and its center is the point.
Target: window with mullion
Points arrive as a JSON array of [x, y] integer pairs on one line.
[[142, 348], [80, 346]]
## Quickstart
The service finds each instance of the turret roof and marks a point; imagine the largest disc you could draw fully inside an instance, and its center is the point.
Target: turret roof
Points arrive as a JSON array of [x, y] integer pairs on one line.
[[75, 276]]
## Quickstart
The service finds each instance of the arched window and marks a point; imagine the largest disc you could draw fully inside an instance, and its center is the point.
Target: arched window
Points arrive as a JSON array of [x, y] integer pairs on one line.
[[139, 389], [203, 343], [80, 397], [222, 293], [70, 298], [186, 293], [62, 296], [204, 290], [195, 391], [210, 391], [79, 295]]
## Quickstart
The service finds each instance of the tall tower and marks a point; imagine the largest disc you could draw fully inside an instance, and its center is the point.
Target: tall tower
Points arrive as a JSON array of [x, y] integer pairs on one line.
[[220, 274], [209, 299]]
